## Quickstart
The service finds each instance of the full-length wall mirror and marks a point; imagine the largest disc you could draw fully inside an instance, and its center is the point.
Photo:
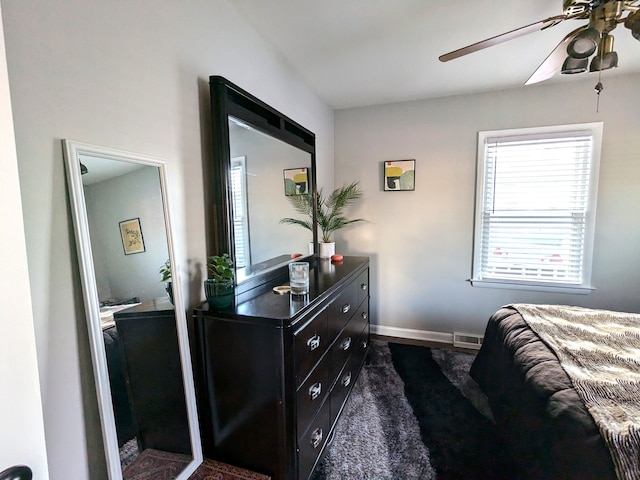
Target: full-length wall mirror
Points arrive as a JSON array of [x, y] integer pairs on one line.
[[260, 157], [136, 322]]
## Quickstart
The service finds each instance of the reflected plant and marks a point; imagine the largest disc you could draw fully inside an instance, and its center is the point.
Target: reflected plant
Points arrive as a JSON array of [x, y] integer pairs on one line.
[[165, 271]]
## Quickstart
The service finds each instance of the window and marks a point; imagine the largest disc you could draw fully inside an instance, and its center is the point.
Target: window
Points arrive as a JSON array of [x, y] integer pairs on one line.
[[535, 207], [240, 211]]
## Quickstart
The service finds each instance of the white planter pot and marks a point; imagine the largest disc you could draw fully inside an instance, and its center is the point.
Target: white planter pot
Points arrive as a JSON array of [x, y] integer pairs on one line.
[[327, 249]]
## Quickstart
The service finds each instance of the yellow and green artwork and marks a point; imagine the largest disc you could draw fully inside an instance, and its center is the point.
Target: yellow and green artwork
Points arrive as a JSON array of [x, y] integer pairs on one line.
[[296, 181], [399, 175]]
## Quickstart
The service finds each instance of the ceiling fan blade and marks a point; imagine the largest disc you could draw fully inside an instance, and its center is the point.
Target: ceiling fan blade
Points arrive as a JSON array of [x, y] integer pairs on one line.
[[518, 32], [553, 63]]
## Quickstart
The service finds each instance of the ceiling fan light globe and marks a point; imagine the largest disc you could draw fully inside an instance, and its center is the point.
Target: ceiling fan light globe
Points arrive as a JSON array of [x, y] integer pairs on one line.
[[609, 60], [633, 23], [584, 44], [573, 65]]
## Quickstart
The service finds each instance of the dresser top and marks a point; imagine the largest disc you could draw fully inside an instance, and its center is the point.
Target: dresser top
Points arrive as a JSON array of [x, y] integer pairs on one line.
[[150, 307], [325, 278]]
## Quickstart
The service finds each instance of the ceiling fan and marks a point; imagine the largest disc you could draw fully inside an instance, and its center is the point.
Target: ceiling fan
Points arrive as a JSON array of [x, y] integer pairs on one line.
[[573, 52]]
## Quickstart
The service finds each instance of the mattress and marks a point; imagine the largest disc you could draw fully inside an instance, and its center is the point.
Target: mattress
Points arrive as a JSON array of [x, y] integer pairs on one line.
[[542, 420]]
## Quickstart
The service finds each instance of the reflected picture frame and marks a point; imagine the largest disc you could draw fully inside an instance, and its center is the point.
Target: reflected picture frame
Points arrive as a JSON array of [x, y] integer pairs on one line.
[[131, 234], [296, 181]]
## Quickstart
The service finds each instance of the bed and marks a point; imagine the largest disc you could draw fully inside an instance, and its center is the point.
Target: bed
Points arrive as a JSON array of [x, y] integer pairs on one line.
[[541, 417], [122, 410], [125, 424]]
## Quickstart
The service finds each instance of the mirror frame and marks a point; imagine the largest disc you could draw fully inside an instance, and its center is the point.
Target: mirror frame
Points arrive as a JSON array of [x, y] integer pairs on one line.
[[229, 100], [72, 150]]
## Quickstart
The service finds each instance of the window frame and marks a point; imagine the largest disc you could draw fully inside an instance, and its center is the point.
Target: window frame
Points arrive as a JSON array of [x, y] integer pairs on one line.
[[584, 287]]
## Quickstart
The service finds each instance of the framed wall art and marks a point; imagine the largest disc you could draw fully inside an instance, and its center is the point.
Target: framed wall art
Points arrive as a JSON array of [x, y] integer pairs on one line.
[[131, 234], [399, 175], [296, 181]]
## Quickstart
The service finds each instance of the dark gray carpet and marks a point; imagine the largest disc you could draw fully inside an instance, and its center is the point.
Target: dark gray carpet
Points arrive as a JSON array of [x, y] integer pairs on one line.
[[455, 366], [414, 413], [377, 437], [462, 443]]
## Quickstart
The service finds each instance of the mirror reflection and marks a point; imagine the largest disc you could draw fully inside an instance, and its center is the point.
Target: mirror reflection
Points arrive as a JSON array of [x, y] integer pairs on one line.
[[117, 192], [138, 336], [263, 171]]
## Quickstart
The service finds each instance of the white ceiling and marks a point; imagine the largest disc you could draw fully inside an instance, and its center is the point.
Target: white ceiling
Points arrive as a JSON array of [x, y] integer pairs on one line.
[[365, 52], [100, 169]]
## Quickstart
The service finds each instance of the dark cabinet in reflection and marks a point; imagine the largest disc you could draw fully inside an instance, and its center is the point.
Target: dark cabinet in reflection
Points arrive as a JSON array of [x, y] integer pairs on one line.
[[149, 345]]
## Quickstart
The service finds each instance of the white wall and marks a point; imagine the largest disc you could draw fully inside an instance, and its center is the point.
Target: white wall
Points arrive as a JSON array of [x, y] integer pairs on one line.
[[421, 242], [22, 439], [131, 75], [134, 195]]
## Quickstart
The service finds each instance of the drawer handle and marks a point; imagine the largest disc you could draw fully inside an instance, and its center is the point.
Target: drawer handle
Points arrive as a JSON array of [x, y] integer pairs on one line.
[[364, 344], [364, 315], [346, 307], [313, 342], [316, 437], [346, 379], [364, 286], [315, 390], [346, 344]]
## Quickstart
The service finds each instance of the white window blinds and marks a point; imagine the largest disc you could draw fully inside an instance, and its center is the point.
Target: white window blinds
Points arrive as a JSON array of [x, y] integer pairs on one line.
[[534, 213], [240, 213]]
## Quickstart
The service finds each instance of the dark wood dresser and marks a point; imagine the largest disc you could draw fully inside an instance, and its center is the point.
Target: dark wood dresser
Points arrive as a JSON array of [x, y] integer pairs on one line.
[[274, 371], [148, 339]]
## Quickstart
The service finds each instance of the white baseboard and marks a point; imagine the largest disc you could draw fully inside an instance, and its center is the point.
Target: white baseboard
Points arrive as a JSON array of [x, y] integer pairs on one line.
[[412, 334]]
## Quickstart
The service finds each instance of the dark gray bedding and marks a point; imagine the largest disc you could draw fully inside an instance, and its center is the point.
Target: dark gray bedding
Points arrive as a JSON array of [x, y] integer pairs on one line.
[[125, 424], [544, 423]]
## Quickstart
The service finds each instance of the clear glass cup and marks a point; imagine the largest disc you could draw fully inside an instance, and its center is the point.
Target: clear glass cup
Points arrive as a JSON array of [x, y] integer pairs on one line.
[[299, 278]]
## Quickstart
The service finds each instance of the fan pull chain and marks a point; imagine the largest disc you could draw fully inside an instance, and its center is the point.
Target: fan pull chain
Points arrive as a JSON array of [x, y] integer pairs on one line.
[[599, 87]]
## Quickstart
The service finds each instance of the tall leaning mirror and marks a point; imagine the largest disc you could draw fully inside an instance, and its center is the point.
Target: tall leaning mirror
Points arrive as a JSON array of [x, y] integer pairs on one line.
[[260, 157], [135, 314]]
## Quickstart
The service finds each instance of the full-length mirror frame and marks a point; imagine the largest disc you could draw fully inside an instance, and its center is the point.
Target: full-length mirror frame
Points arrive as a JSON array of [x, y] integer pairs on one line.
[[180, 362], [231, 105]]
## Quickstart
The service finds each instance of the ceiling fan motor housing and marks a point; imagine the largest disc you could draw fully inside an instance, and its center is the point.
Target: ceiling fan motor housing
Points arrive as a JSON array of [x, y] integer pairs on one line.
[[604, 17]]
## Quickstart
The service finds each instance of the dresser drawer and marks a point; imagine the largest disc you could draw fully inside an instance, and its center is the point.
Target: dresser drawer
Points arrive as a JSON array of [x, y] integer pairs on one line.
[[312, 442], [311, 394], [347, 339], [310, 343], [362, 285], [341, 309], [347, 376]]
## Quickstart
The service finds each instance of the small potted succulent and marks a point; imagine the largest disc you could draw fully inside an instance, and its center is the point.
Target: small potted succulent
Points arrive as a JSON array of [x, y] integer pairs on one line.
[[165, 273], [219, 287]]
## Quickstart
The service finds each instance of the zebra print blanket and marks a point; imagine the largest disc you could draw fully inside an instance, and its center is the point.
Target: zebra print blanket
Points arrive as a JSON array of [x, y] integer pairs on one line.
[[600, 351]]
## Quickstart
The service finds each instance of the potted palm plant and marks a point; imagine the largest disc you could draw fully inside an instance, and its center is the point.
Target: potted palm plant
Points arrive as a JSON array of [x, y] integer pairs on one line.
[[331, 215], [219, 287], [165, 274]]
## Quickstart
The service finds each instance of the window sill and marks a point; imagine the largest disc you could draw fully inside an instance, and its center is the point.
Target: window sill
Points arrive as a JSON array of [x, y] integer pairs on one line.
[[539, 287]]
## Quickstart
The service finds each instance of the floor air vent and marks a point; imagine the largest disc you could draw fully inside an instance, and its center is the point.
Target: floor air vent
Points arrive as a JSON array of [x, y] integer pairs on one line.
[[467, 340]]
